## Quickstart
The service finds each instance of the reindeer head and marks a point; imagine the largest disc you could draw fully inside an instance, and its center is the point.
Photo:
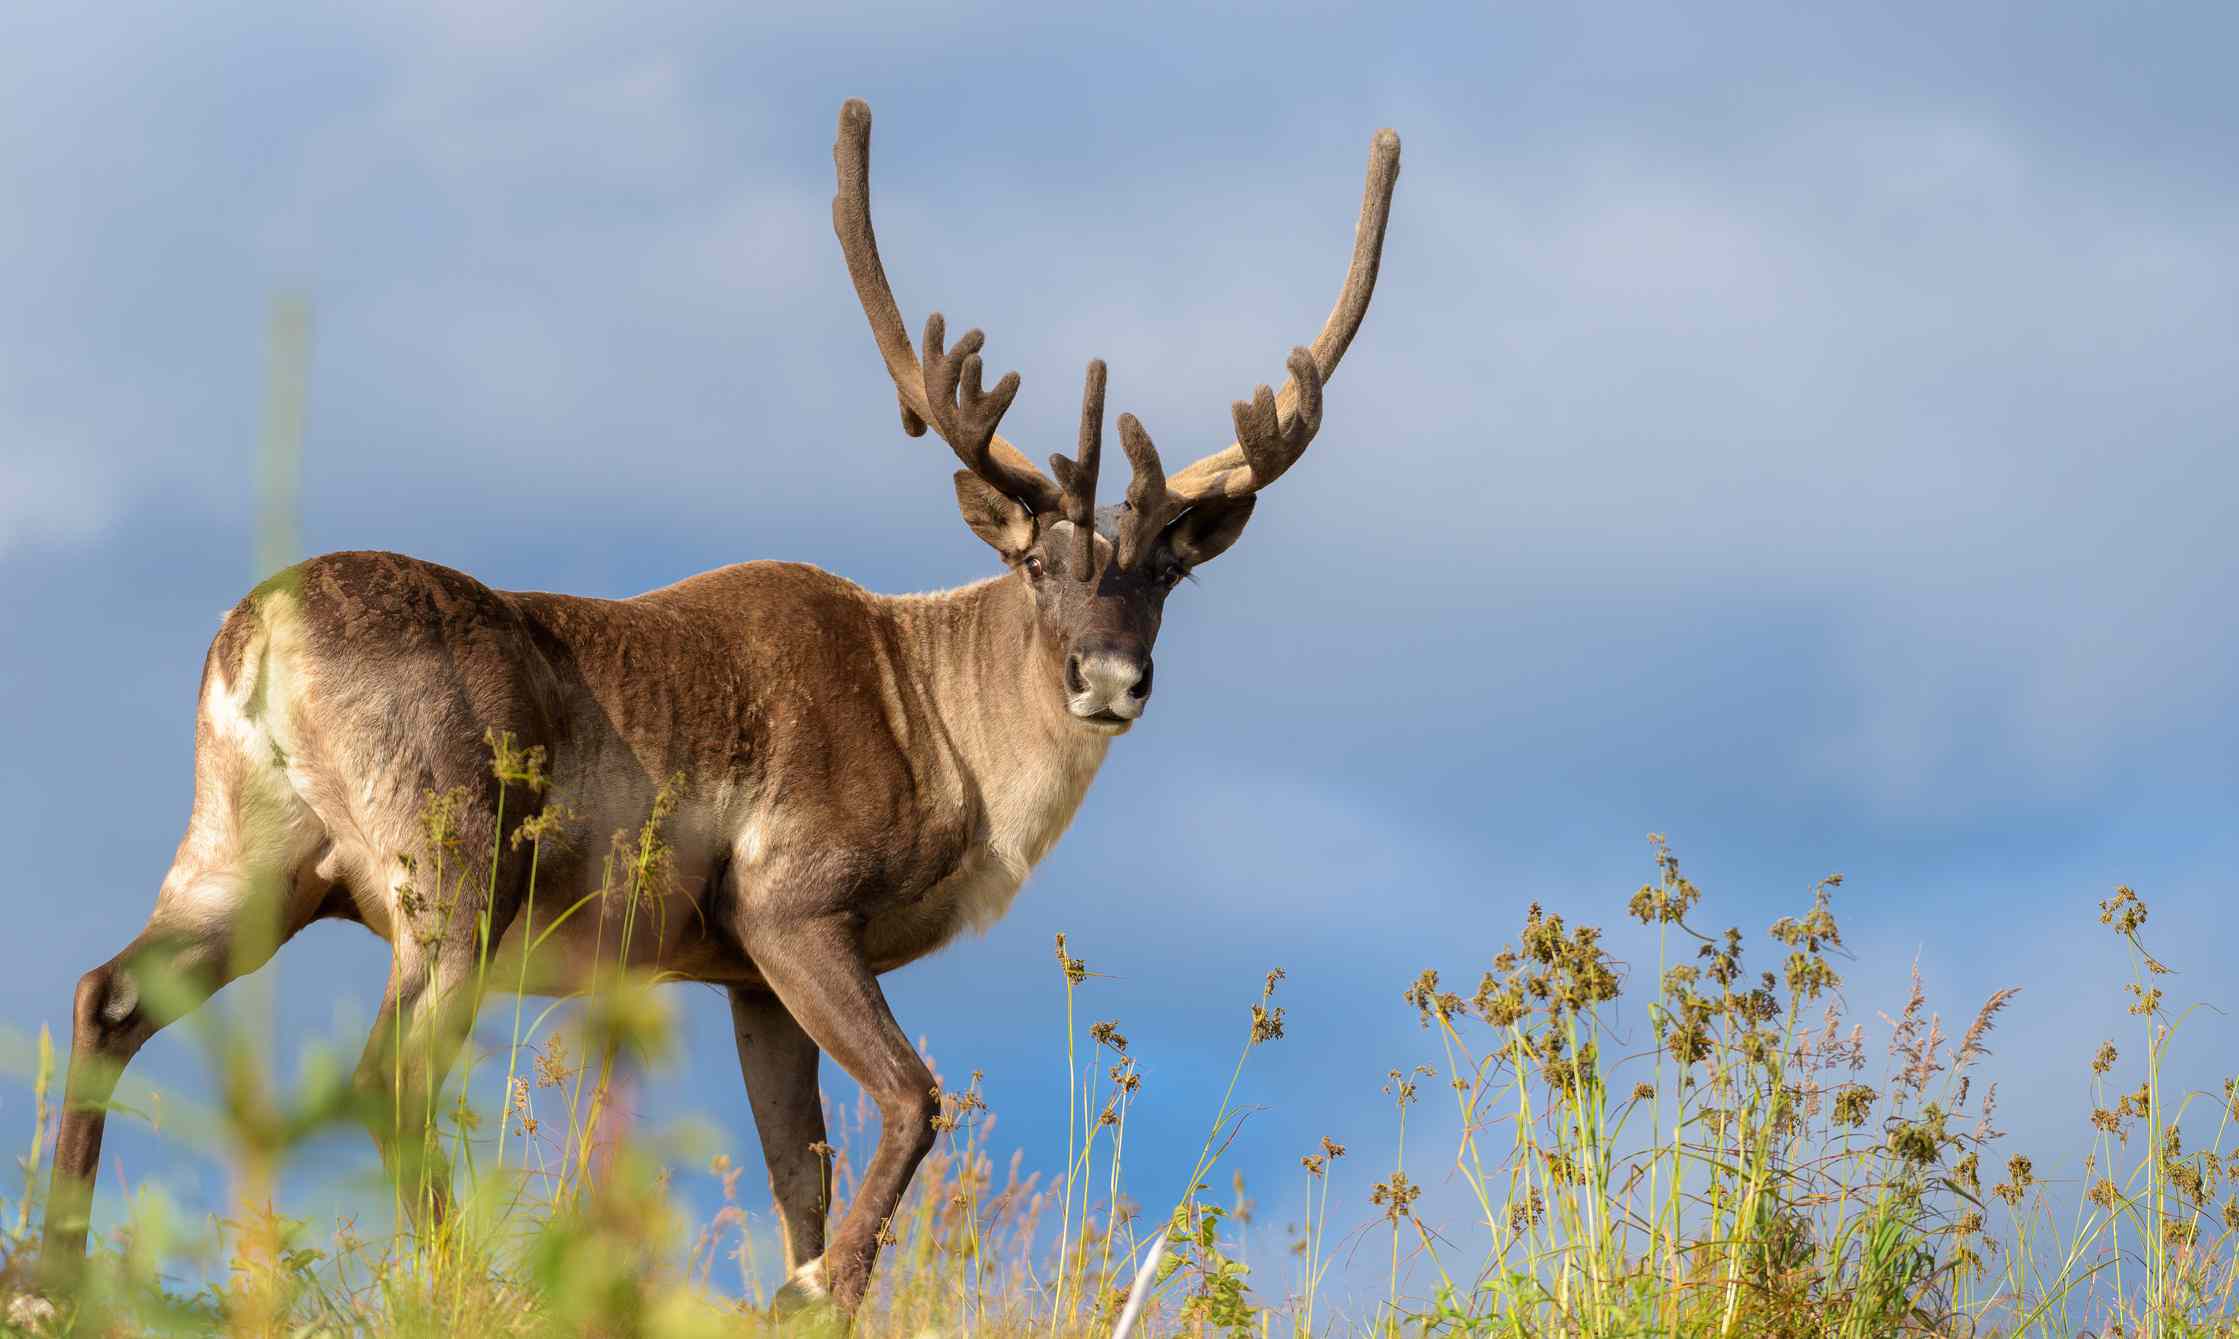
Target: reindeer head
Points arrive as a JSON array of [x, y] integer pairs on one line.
[[1098, 577]]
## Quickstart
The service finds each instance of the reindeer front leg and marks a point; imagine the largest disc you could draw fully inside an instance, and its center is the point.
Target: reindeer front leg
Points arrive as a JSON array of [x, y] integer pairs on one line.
[[778, 1062], [817, 968]]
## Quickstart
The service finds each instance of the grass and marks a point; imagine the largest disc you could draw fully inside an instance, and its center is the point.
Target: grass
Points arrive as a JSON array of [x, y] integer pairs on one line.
[[1747, 1163]]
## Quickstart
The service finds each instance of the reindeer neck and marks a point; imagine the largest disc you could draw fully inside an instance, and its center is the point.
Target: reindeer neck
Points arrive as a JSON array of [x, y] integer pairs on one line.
[[998, 700]]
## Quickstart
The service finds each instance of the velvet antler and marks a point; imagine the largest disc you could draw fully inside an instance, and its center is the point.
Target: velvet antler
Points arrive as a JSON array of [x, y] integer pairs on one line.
[[1077, 478], [1272, 430], [943, 387]]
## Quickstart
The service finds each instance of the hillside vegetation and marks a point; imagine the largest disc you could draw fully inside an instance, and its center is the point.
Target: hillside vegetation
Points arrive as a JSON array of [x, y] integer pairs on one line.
[[1758, 1164]]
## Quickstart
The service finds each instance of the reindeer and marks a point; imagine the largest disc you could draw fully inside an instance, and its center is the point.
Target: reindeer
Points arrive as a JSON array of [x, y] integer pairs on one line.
[[868, 775]]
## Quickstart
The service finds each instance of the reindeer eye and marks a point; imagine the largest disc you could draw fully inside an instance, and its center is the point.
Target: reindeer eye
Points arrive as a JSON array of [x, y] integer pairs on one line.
[[1033, 566], [1171, 577]]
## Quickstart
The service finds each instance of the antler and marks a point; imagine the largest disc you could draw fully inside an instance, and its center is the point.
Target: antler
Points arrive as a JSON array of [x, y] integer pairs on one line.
[[942, 388], [1272, 430], [1077, 478]]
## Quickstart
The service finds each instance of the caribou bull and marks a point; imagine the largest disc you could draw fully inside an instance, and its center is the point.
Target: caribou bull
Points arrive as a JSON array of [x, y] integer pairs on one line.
[[867, 775]]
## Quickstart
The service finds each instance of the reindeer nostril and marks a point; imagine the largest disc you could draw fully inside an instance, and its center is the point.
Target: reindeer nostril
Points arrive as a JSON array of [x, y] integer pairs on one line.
[[1142, 687], [1074, 683]]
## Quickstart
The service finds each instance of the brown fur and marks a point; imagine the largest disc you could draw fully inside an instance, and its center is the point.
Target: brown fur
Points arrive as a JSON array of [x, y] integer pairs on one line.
[[841, 750], [866, 776]]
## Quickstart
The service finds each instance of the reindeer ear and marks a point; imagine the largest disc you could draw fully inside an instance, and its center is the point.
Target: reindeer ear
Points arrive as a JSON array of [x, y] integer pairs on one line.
[[1207, 529], [1007, 527]]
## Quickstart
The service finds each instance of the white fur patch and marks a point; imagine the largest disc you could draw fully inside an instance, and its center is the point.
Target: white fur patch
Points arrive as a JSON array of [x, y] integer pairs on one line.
[[259, 826], [29, 1311], [1028, 808], [805, 1287]]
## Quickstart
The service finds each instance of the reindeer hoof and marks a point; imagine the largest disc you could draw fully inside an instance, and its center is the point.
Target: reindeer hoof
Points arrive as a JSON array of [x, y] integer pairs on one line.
[[33, 1314], [805, 1291]]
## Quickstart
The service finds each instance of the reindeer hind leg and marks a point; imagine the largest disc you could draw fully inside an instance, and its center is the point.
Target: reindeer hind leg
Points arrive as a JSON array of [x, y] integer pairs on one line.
[[450, 908], [247, 876], [425, 1016]]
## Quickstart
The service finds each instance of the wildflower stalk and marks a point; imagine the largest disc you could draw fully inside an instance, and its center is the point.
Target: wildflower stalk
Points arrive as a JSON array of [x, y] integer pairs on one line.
[[41, 1081], [1074, 972]]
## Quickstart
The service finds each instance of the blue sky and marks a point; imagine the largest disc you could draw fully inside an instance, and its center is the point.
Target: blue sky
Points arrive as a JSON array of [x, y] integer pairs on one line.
[[1808, 436]]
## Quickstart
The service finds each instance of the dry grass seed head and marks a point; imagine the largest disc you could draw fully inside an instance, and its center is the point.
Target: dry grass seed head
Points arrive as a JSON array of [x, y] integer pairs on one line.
[[1395, 1196], [1971, 1045], [1075, 970], [2124, 912]]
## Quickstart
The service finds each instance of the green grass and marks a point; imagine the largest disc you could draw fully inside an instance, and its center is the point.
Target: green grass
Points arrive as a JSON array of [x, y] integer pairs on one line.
[[1749, 1162]]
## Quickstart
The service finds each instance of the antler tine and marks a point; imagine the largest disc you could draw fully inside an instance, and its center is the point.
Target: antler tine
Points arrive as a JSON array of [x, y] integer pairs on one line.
[[1368, 254], [1271, 441], [1150, 503], [851, 219], [966, 415], [1076, 479], [942, 388], [1273, 430]]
